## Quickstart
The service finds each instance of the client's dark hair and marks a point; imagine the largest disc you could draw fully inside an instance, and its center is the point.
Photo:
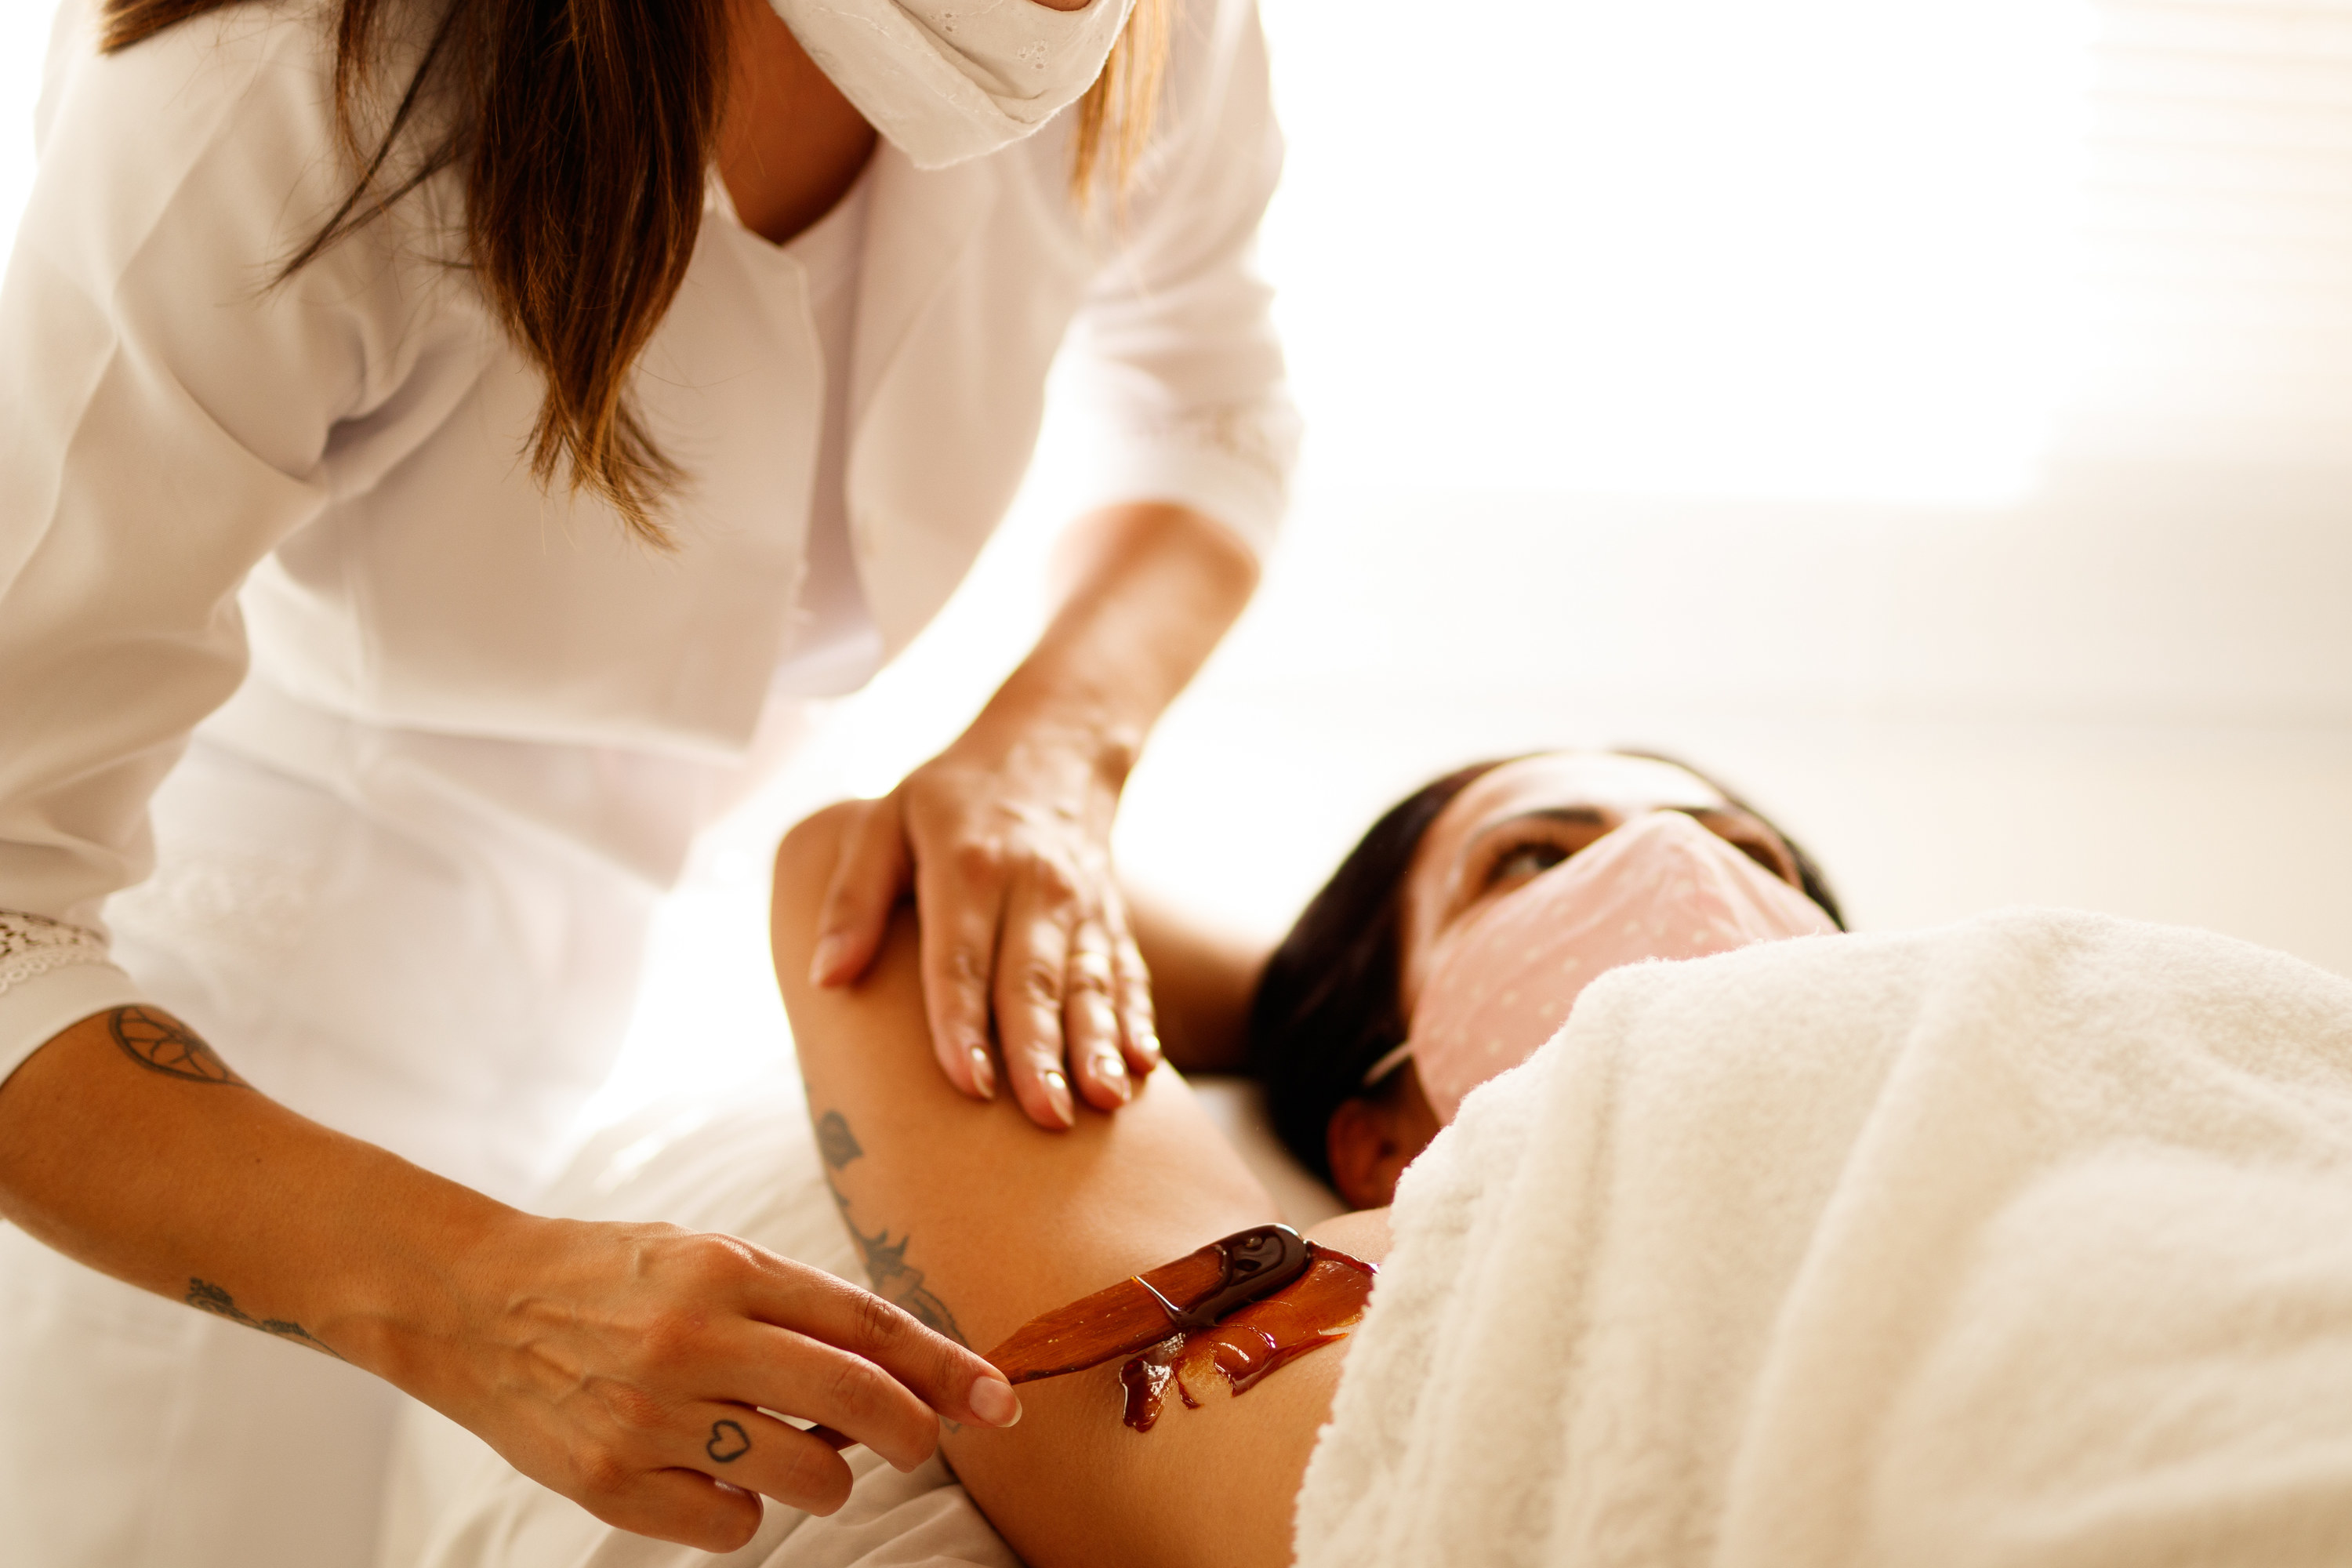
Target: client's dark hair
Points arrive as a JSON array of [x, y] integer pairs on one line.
[[1328, 1008]]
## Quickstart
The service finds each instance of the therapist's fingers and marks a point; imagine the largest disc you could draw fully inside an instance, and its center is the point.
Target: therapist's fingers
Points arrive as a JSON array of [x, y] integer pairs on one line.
[[959, 902], [704, 1467], [873, 871], [1138, 1024], [777, 1369], [1090, 1028], [608, 1346], [843, 1389], [682, 1505], [1032, 963], [747, 1447]]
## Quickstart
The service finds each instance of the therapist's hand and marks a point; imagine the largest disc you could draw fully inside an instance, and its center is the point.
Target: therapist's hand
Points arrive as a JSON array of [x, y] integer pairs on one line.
[[627, 1367], [624, 1366], [1004, 837]]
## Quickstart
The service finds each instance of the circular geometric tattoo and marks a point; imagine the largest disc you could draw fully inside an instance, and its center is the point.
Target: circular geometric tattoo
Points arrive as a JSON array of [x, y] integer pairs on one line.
[[161, 1043]]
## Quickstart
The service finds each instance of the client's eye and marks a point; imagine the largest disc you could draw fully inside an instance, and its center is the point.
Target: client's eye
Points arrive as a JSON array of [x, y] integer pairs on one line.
[[1523, 862], [1767, 856], [1515, 852]]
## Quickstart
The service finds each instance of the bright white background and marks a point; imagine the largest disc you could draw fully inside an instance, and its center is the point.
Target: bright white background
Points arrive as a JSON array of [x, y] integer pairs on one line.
[[1931, 415]]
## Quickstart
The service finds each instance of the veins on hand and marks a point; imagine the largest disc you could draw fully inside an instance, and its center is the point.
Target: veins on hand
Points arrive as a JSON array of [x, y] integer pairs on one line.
[[887, 1269], [161, 1043], [207, 1297]]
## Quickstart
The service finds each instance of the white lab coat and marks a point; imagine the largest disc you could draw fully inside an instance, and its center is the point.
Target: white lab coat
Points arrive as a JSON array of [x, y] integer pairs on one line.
[[452, 733]]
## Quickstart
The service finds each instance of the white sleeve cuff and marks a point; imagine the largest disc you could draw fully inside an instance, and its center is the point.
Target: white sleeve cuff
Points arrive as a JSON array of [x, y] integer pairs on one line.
[[1237, 495], [36, 1007], [1232, 464]]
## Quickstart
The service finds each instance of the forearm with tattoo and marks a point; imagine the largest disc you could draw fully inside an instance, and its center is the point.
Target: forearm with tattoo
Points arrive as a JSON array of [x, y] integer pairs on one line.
[[207, 1297], [162, 1044]]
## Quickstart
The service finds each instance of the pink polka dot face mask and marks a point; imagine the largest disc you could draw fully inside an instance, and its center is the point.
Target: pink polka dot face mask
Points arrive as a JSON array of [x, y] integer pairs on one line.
[[1503, 982]]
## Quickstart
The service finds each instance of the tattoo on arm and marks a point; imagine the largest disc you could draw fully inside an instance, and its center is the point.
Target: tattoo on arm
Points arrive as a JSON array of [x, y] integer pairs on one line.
[[896, 1281], [161, 1043], [886, 1268], [834, 1141], [207, 1297]]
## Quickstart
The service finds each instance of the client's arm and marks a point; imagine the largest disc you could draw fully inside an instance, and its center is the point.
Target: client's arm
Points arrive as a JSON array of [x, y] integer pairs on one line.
[[976, 1220]]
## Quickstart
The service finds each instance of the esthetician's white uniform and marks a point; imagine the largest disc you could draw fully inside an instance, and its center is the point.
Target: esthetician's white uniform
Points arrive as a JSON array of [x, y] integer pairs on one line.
[[402, 871]]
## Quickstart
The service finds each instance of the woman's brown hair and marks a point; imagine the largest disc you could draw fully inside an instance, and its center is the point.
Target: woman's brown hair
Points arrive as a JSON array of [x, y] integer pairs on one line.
[[582, 130]]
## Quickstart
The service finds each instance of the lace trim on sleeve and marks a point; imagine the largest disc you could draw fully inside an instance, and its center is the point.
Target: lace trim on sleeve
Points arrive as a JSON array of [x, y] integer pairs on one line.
[[36, 944]]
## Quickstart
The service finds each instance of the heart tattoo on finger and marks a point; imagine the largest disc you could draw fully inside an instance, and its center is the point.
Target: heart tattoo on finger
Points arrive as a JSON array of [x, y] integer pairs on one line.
[[729, 1442]]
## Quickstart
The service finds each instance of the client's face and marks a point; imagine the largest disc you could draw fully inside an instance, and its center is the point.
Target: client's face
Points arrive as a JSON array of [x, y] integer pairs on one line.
[[1525, 817], [1494, 839]]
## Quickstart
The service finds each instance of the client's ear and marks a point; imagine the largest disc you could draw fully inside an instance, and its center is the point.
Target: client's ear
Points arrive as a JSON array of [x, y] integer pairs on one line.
[[1369, 1142]]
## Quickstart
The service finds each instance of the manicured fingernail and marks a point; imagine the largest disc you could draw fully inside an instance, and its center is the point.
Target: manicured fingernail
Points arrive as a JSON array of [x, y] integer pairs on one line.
[[993, 1401], [1148, 1044], [828, 953], [1113, 1072], [1057, 1096], [983, 1073]]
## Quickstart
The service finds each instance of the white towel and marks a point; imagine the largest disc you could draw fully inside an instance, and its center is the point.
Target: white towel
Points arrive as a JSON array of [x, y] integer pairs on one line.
[[2027, 1241]]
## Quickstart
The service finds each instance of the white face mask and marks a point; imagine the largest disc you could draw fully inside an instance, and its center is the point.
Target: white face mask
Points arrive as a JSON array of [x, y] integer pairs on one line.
[[950, 80], [1660, 887]]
